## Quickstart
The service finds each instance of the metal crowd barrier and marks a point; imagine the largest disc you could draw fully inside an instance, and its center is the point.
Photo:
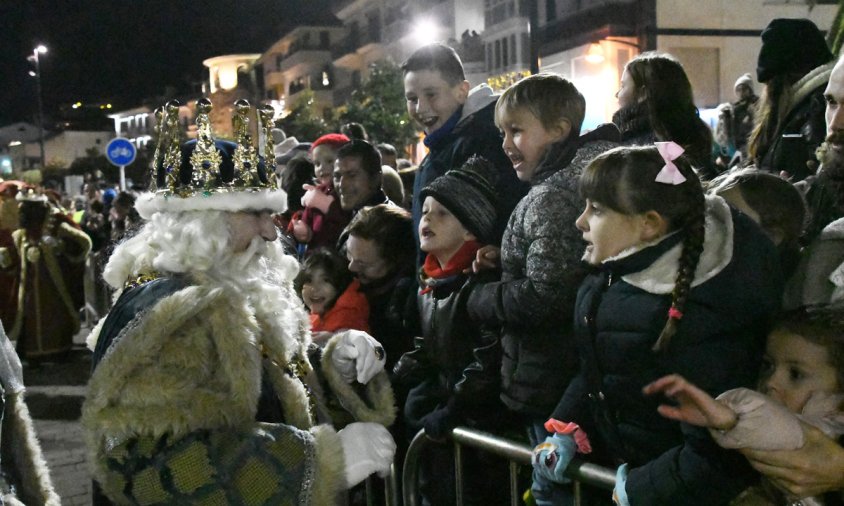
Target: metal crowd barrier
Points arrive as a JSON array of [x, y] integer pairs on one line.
[[580, 472]]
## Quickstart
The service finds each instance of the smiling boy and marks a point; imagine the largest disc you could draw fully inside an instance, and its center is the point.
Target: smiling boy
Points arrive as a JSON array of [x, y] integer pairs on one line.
[[458, 123], [541, 117]]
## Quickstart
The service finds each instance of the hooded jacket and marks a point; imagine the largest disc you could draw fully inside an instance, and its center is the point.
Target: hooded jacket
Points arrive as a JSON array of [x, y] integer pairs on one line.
[[540, 261], [621, 310], [804, 127], [819, 278]]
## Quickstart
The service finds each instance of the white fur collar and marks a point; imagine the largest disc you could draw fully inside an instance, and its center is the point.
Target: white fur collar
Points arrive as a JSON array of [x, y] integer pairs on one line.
[[479, 97], [660, 276], [834, 230], [148, 204]]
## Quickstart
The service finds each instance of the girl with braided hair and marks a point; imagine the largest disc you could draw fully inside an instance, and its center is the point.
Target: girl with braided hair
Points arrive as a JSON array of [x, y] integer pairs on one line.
[[681, 284]]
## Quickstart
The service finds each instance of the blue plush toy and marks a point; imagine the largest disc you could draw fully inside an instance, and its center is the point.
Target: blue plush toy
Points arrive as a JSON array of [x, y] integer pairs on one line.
[[551, 458]]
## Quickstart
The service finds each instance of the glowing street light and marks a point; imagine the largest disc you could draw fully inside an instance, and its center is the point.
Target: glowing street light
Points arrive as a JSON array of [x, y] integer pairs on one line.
[[40, 49], [425, 32]]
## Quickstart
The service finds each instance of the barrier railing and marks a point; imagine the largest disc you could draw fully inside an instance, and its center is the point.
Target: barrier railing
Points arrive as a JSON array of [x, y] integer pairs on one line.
[[581, 473]]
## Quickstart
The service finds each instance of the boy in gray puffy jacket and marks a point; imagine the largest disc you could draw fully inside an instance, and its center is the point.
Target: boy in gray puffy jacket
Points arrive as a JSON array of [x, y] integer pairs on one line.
[[541, 117]]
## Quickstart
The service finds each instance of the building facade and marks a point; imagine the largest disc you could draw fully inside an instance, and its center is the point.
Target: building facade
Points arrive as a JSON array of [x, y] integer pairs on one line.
[[586, 41]]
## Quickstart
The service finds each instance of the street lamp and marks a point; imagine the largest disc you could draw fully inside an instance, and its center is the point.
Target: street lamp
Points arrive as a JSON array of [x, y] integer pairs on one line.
[[40, 49]]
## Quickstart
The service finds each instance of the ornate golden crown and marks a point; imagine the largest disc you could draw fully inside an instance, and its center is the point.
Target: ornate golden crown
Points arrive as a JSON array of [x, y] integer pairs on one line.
[[209, 174], [207, 165]]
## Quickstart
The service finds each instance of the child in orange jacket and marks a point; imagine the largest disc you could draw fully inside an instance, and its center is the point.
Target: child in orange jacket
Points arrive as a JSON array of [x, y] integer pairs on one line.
[[331, 294]]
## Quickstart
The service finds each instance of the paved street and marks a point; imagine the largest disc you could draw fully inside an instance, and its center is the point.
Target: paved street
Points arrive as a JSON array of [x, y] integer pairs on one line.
[[55, 392]]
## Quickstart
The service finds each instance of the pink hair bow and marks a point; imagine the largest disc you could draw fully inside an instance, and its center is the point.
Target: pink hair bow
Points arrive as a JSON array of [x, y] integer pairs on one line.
[[669, 174]]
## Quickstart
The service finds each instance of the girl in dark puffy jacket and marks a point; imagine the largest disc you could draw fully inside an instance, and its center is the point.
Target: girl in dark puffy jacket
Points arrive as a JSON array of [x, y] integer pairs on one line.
[[682, 284]]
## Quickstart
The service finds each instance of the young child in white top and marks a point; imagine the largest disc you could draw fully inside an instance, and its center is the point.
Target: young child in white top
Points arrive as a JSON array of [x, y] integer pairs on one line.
[[802, 381]]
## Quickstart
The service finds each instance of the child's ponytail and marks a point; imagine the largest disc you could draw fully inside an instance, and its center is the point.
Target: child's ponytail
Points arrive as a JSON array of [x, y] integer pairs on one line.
[[692, 248]]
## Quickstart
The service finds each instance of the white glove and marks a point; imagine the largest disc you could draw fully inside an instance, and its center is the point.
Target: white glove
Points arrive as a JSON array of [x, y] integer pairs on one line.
[[358, 355], [368, 448]]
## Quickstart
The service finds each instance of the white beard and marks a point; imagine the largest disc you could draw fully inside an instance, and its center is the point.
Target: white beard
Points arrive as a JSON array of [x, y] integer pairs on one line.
[[263, 275]]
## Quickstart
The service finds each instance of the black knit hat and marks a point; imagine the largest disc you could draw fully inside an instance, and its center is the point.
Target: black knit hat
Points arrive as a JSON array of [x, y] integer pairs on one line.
[[469, 195], [790, 46]]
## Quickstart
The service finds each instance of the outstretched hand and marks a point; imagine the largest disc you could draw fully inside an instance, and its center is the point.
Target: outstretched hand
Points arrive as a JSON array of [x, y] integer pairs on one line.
[[814, 469], [694, 406]]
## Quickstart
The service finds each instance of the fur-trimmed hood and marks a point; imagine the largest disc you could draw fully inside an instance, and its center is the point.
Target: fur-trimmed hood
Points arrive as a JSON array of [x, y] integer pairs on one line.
[[661, 276], [834, 230], [479, 97], [813, 80]]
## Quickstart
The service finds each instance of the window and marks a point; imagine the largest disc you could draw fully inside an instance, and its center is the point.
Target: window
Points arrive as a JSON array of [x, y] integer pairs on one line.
[[550, 10], [489, 62], [498, 53], [504, 52], [496, 11]]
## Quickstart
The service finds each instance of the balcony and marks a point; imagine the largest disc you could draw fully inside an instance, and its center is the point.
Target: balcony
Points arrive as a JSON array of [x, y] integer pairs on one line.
[[310, 57], [579, 23], [274, 78], [353, 43]]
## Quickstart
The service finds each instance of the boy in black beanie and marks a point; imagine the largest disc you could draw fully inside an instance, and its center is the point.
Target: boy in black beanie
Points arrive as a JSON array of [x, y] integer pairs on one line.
[[455, 367]]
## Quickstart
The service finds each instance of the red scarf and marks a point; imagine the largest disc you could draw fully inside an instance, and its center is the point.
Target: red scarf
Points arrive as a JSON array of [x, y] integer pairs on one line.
[[458, 263]]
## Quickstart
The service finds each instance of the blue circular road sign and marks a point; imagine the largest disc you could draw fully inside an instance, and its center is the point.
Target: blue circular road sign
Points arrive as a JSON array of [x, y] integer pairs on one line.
[[120, 152]]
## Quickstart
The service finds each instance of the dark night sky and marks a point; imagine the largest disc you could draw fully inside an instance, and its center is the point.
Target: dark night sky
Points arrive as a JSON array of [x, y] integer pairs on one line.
[[123, 51]]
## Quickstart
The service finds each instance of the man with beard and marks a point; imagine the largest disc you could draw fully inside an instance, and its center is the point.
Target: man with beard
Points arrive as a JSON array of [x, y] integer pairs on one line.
[[825, 191], [203, 389], [819, 278], [817, 467]]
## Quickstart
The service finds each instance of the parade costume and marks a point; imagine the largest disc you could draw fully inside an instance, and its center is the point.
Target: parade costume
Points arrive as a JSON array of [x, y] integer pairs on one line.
[[24, 476], [203, 390], [8, 278], [49, 258]]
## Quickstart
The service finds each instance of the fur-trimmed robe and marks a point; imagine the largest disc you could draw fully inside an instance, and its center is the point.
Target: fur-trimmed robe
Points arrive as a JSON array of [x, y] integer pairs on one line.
[[20, 453], [192, 364], [50, 276]]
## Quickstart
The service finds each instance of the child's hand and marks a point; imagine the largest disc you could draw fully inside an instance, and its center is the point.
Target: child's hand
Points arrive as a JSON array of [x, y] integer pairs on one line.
[[487, 258], [315, 198], [694, 406], [302, 232]]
